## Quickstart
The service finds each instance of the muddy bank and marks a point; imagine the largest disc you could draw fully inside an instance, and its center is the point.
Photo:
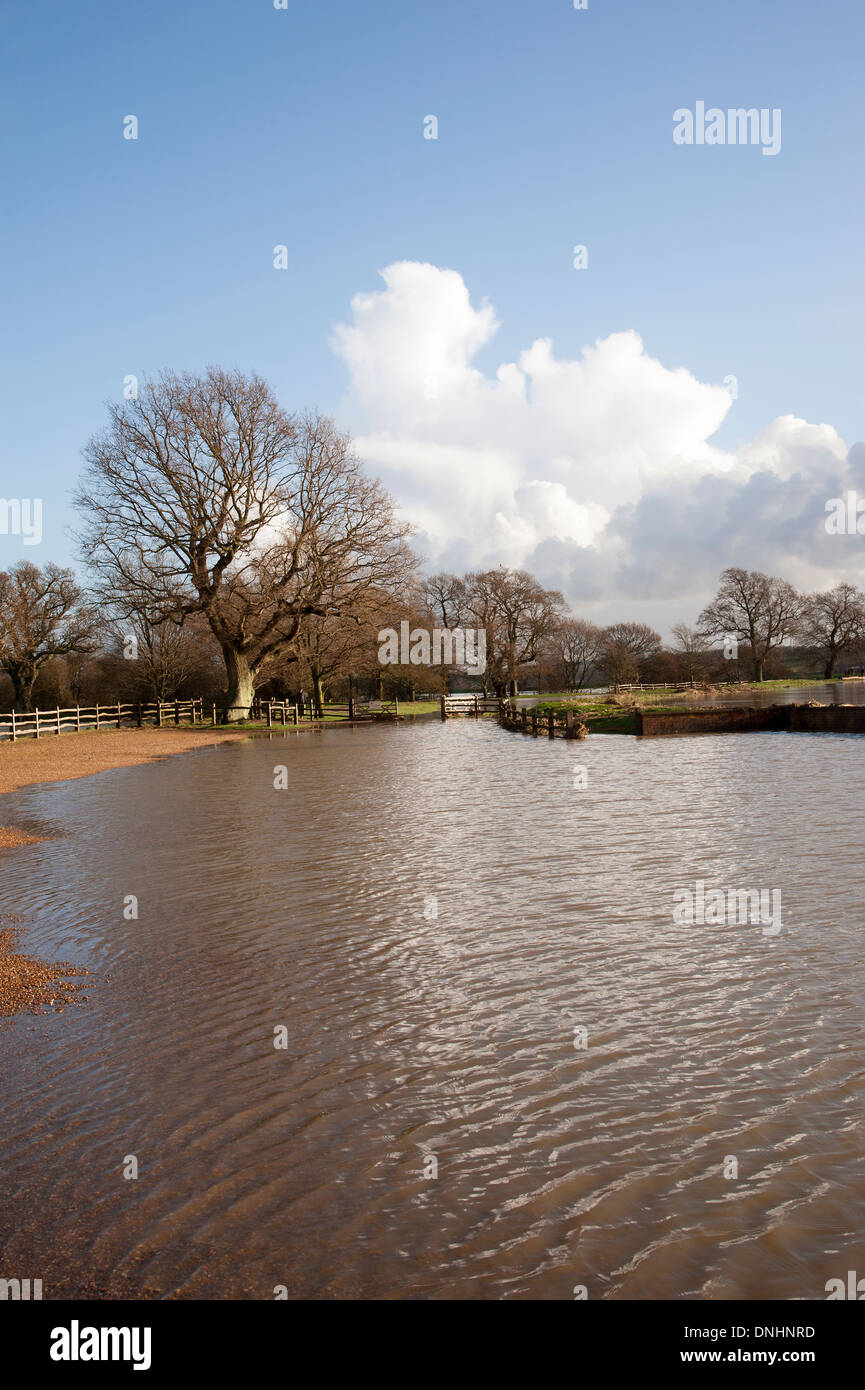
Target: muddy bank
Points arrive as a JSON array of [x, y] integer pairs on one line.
[[64, 756]]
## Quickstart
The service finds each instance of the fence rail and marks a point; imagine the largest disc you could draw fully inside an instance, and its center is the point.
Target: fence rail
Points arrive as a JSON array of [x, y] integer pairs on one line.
[[468, 704], [77, 718], [556, 723], [282, 713], [654, 685]]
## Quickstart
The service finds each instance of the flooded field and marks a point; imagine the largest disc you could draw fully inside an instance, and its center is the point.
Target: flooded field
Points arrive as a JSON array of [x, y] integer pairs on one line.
[[824, 693], [421, 920]]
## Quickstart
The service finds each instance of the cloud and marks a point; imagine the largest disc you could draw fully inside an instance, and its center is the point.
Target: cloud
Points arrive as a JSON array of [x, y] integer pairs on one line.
[[598, 474]]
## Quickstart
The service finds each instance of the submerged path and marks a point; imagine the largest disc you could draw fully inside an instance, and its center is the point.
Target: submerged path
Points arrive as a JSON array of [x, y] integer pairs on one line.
[[58, 759]]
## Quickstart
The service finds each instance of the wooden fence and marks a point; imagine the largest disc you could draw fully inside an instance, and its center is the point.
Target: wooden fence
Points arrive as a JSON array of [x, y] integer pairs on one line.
[[468, 704], [556, 723], [285, 712], [280, 713], [654, 685], [81, 717]]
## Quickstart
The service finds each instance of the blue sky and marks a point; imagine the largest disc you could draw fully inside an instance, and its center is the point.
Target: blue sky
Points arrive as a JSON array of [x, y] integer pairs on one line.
[[305, 127]]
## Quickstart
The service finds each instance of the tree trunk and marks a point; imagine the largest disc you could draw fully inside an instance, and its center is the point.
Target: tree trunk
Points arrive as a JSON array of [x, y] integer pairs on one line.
[[758, 669], [240, 686], [317, 694], [23, 681], [830, 665]]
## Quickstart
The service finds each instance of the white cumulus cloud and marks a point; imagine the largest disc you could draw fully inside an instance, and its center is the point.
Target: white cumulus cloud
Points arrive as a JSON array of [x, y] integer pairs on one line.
[[598, 474]]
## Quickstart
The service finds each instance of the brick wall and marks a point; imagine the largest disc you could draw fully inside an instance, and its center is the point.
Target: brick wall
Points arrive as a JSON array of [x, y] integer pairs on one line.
[[740, 718]]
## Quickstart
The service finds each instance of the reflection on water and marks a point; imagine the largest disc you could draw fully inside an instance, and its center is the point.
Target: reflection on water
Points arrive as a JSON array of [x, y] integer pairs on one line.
[[430, 912]]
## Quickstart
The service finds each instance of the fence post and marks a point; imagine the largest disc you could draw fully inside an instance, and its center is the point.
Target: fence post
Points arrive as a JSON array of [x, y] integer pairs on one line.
[[552, 724], [177, 711], [37, 723], [214, 714], [396, 707], [14, 735], [351, 707], [159, 713], [118, 715], [78, 719], [296, 715], [444, 708], [138, 714], [58, 719], [269, 715], [97, 716]]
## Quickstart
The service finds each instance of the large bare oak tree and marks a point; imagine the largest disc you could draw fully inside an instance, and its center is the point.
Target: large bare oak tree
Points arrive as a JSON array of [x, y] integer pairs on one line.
[[205, 496]]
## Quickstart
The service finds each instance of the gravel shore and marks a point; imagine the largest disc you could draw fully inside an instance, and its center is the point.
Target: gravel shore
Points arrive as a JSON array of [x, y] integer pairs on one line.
[[11, 837], [30, 986]]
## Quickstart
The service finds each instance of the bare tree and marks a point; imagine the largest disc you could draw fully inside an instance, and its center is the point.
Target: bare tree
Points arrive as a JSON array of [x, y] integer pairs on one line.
[[163, 656], [330, 646], [41, 616], [447, 598], [205, 496], [692, 644], [517, 614], [833, 622], [756, 609], [575, 646], [624, 647]]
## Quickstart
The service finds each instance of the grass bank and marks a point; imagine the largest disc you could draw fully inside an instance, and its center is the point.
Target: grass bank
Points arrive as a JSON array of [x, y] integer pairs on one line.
[[600, 715]]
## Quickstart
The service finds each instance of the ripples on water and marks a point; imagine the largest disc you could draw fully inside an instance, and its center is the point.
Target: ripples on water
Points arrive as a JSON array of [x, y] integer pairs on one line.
[[412, 1035]]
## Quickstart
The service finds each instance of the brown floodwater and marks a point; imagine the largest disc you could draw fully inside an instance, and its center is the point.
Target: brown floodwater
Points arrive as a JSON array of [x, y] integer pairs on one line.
[[428, 913]]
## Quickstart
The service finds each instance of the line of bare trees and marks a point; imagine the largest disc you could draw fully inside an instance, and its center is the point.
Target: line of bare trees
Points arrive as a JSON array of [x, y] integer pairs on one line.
[[232, 547], [745, 632]]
